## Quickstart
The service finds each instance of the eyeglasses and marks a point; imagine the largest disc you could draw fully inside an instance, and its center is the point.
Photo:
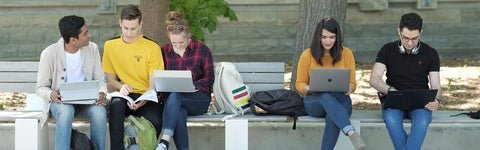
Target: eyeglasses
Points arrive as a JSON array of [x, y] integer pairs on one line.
[[406, 39], [180, 28]]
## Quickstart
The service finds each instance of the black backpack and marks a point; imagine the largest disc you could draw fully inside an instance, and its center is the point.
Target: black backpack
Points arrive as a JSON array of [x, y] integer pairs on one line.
[[472, 114], [278, 102], [80, 141]]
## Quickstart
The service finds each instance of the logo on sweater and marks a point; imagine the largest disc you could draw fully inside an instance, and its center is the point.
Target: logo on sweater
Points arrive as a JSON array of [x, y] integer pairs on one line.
[[138, 58]]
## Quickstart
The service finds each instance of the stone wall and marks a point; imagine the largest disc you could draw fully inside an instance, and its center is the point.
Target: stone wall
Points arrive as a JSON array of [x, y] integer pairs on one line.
[[266, 29]]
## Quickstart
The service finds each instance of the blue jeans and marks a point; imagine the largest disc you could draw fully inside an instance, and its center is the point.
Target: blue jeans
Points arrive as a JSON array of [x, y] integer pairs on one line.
[[64, 115], [420, 118], [177, 107], [119, 110], [336, 107]]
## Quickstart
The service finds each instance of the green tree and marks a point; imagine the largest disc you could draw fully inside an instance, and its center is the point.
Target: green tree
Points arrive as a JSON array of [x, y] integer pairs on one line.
[[202, 14]]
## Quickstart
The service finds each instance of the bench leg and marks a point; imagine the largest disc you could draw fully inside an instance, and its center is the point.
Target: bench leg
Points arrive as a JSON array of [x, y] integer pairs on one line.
[[343, 142], [236, 134], [29, 134]]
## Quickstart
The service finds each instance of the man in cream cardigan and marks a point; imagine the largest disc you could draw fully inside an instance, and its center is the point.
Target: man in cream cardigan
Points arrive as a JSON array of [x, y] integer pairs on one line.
[[72, 59]]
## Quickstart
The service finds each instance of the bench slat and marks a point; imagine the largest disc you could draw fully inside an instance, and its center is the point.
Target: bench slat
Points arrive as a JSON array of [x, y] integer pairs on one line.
[[260, 66], [18, 87], [11, 115], [250, 117], [264, 87], [262, 77], [18, 66], [18, 77]]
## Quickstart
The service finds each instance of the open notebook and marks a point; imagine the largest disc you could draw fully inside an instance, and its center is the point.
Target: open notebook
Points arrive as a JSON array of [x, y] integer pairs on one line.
[[173, 81], [85, 92]]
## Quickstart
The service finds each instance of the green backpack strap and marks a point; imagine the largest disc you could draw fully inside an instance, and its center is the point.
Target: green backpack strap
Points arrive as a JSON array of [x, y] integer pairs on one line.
[[146, 133], [136, 123]]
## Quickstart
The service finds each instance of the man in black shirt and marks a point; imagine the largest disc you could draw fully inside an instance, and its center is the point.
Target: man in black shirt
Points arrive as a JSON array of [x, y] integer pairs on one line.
[[410, 64]]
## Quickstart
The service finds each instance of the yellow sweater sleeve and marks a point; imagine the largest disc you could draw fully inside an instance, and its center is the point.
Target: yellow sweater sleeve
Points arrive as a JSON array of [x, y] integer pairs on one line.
[[306, 61], [303, 70]]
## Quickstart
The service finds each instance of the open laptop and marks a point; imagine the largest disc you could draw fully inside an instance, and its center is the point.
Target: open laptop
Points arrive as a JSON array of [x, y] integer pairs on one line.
[[174, 81], [329, 80], [85, 92], [409, 99]]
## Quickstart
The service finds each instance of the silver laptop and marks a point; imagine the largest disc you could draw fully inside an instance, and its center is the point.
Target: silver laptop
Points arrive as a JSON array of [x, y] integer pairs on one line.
[[79, 91], [329, 79], [174, 81]]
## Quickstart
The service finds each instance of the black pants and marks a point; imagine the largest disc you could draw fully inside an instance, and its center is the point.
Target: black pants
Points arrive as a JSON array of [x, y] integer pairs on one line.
[[119, 111]]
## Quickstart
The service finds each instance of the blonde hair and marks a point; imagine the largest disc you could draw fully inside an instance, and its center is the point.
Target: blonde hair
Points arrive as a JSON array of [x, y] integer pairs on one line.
[[176, 23]]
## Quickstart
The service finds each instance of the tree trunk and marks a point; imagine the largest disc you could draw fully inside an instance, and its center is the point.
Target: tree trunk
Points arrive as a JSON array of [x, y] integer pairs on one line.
[[310, 13], [153, 18]]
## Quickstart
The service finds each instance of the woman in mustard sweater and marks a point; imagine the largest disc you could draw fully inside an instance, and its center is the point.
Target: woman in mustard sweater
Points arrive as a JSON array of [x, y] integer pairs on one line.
[[326, 51]]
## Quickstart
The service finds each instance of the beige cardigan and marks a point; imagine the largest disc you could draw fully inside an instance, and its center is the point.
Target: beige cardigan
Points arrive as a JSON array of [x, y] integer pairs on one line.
[[52, 70]]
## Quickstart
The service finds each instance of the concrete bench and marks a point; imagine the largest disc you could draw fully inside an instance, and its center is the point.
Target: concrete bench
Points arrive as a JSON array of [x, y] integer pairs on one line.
[[21, 77], [210, 132], [259, 76], [445, 132]]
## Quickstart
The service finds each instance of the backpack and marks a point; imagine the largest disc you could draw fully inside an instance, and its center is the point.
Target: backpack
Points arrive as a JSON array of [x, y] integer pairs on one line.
[[278, 102], [80, 141], [231, 94], [139, 134], [472, 114]]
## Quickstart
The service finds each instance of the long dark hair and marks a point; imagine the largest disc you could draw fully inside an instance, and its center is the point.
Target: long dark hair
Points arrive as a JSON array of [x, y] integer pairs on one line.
[[316, 48]]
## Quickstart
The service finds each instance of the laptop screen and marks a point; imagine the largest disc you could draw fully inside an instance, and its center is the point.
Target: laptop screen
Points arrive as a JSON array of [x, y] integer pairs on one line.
[[409, 99], [73, 91], [174, 81], [329, 79]]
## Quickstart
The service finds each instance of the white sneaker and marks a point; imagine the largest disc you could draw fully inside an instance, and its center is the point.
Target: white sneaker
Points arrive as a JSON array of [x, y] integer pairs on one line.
[[161, 146]]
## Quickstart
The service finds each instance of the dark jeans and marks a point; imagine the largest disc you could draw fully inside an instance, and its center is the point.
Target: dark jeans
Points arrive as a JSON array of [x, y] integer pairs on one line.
[[177, 107], [119, 110]]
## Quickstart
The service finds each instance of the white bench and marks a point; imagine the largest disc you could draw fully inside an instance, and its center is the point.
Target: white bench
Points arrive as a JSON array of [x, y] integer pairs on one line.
[[439, 118], [21, 77], [259, 76]]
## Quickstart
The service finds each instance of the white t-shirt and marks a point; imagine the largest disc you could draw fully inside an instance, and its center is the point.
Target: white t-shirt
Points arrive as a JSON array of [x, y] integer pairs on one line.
[[74, 67]]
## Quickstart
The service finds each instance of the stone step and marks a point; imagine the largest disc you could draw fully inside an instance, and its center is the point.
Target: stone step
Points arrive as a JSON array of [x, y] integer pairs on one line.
[[308, 135]]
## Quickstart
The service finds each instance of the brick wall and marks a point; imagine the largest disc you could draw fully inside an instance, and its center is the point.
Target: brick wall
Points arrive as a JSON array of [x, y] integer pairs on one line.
[[266, 29]]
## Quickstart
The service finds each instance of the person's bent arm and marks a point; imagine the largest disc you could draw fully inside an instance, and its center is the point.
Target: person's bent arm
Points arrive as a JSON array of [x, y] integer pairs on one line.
[[434, 78], [113, 82], [151, 86], [376, 80], [151, 83]]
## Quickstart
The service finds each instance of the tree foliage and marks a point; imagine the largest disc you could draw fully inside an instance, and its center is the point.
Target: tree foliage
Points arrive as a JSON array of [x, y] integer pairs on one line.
[[202, 14]]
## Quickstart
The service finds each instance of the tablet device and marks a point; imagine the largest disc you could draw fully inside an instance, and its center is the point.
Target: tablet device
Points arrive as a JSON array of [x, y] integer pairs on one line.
[[85, 91]]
